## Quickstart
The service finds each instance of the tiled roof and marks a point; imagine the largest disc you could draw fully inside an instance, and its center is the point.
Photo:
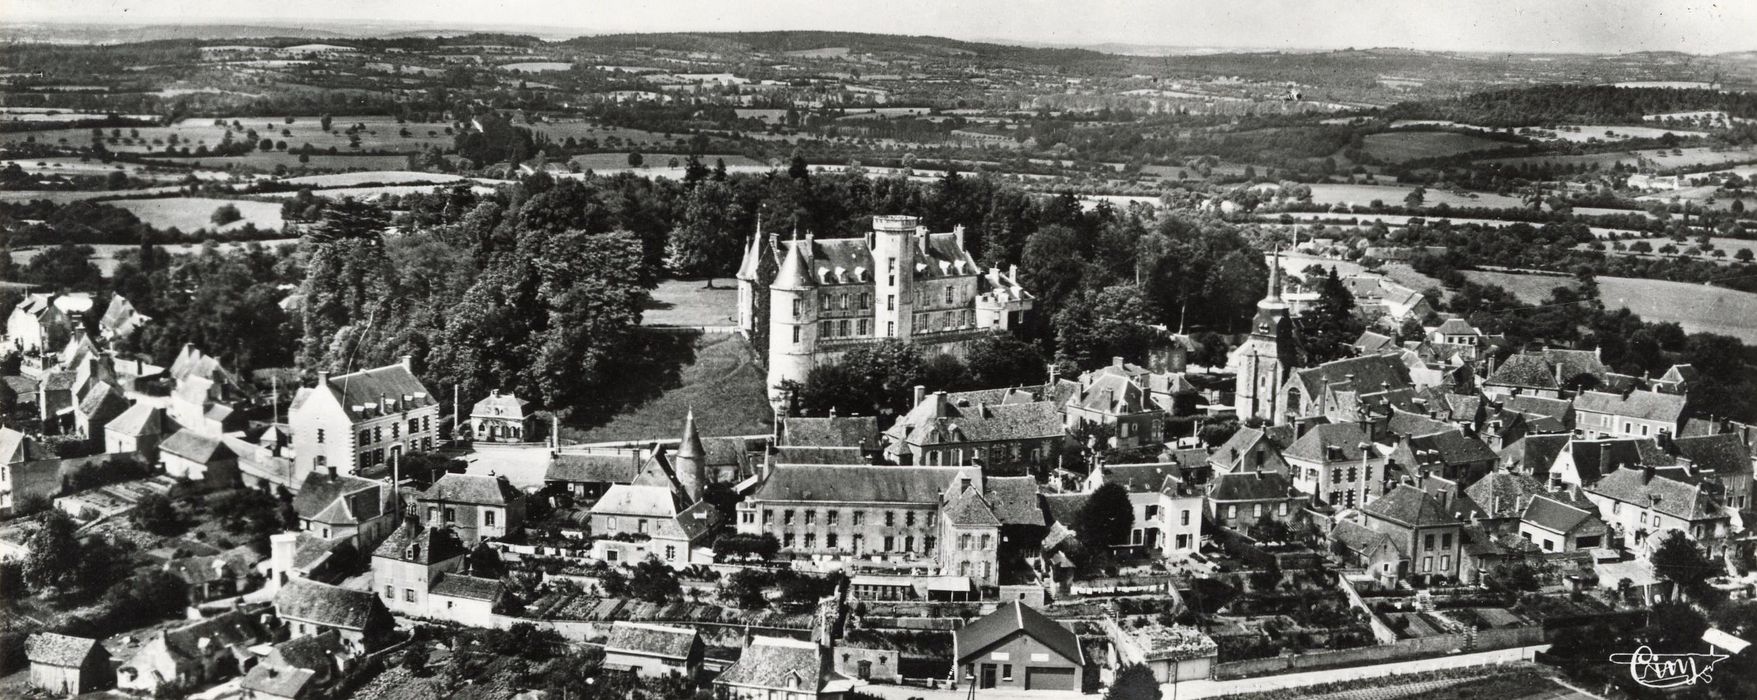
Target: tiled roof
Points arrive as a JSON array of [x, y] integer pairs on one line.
[[140, 419], [58, 649], [272, 680], [1361, 539], [1640, 405], [856, 484], [1014, 616], [650, 640], [1448, 448], [1554, 515], [1140, 478], [1370, 342], [1331, 442], [1723, 454], [1064, 508], [1537, 406], [788, 454], [193, 446], [498, 405], [18, 447], [1535, 454], [1371, 373], [1404, 422], [314, 652], [1678, 499], [977, 422], [594, 468], [1595, 458], [339, 499], [772, 662], [1503, 494], [969, 510], [323, 604], [639, 500], [236, 628], [478, 489], [833, 431], [1015, 500], [416, 543], [1525, 370], [1409, 506], [1455, 326], [469, 587]]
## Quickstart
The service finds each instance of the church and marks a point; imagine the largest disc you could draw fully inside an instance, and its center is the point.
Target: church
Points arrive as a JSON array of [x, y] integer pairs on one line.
[[898, 281], [1267, 358]]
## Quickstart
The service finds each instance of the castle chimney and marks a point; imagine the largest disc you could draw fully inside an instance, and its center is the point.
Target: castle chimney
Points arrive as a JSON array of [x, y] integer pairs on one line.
[[939, 404]]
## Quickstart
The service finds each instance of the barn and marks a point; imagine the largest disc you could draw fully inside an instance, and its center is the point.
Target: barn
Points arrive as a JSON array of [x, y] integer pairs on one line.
[[1017, 647]]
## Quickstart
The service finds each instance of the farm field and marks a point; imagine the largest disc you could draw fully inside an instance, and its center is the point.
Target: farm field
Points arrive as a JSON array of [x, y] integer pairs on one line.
[[65, 196], [368, 177], [382, 133], [1604, 161], [582, 129], [1583, 133], [1694, 157], [1700, 196], [618, 162], [1392, 195], [1295, 264], [71, 167], [536, 66], [375, 191], [690, 303], [190, 214], [1399, 146], [319, 161], [1731, 245], [105, 255], [1403, 220], [1697, 308]]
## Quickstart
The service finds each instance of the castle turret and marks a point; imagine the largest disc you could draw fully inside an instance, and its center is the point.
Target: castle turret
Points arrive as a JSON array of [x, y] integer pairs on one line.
[[792, 319], [893, 256], [691, 460], [747, 281]]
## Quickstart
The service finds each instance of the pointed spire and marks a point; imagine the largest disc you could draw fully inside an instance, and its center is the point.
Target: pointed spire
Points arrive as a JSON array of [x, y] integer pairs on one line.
[[690, 463], [1275, 276], [691, 446]]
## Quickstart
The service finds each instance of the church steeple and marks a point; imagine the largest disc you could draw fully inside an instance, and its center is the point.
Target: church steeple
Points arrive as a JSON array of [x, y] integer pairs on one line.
[[1272, 310], [1274, 276]]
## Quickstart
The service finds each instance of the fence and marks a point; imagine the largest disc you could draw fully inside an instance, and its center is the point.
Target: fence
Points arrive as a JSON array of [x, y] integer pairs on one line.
[[1484, 640]]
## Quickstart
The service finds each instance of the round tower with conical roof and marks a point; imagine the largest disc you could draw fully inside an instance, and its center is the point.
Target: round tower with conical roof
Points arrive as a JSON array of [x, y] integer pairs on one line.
[[792, 319], [691, 461]]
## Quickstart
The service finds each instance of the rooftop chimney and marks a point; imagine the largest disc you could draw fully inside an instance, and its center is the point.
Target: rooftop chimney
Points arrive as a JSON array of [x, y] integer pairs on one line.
[[939, 404], [1116, 361], [322, 377], [920, 393], [408, 362]]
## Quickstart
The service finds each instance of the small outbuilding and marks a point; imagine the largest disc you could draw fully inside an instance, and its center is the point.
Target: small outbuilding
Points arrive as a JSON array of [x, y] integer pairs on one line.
[[1018, 647]]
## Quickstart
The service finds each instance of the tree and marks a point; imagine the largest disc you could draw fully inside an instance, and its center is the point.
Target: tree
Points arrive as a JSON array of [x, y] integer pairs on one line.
[[1329, 328], [1678, 559], [1674, 626], [654, 581], [1094, 326], [1134, 682], [484, 562], [66, 267], [613, 583], [797, 168], [324, 122], [156, 514], [635, 159], [1004, 360], [1107, 518], [705, 241], [53, 557], [1416, 197], [225, 214]]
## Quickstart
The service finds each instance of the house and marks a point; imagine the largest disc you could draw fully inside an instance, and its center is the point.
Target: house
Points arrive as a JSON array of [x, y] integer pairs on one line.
[[898, 281], [1370, 343], [1727, 458], [1534, 455], [44, 322], [1447, 453], [120, 319], [502, 418], [1560, 527], [188, 454], [138, 429], [781, 668], [197, 654], [1017, 647], [1394, 302], [67, 665], [584, 477], [659, 514], [464, 600], [1180, 516], [848, 511], [1338, 463], [1678, 379], [1640, 502], [1502, 495], [332, 505], [360, 420], [970, 532], [1335, 388], [216, 576], [962, 429], [309, 608], [1583, 462], [1118, 397], [653, 650], [1551, 373], [300, 668], [830, 431], [1144, 484], [479, 507], [1239, 500], [205, 396], [1421, 526], [1635, 414], [1378, 553], [405, 565]]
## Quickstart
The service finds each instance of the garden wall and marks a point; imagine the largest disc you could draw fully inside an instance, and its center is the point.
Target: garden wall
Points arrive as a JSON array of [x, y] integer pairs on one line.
[[1486, 640]]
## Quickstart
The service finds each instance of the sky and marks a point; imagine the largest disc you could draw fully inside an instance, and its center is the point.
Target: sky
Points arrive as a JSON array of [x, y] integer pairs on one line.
[[1534, 26]]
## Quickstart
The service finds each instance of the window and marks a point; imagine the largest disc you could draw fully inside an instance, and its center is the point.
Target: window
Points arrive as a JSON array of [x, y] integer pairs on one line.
[[948, 294], [378, 434], [768, 516], [830, 516], [985, 541], [409, 594], [390, 592], [859, 542], [964, 541], [909, 518], [1427, 564], [890, 329], [747, 517], [798, 307], [1256, 510], [610, 522], [890, 302], [414, 425], [433, 514], [830, 540], [488, 518], [1232, 511], [641, 525], [1446, 562], [865, 326], [811, 540], [787, 517], [890, 543], [787, 540], [451, 514], [796, 334], [320, 436], [1427, 542], [396, 430], [1185, 520], [860, 517], [1006, 669], [811, 517], [909, 544], [842, 328], [890, 519], [365, 437], [927, 544], [1446, 541]]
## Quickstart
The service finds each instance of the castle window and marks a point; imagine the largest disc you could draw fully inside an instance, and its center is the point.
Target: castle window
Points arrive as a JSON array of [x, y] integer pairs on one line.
[[796, 334], [890, 302], [890, 329], [948, 294], [865, 300], [865, 327], [798, 307], [842, 328]]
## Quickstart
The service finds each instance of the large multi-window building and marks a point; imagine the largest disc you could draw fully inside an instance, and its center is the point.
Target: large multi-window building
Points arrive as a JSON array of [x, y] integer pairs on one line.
[[360, 420], [898, 281]]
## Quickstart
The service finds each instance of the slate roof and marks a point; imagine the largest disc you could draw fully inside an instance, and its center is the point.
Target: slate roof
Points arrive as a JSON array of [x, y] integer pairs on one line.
[[1372, 373], [1064, 508], [1011, 617], [336, 500], [58, 649], [1595, 458], [498, 405], [1370, 342], [195, 447], [1362, 540], [1525, 370], [366, 387], [1448, 448], [18, 447], [1537, 406], [650, 640], [140, 419], [1535, 454], [1253, 486], [1554, 515], [1139, 478], [1112, 392], [855, 484], [1409, 506], [1503, 494], [832, 431], [277, 681], [1640, 405], [769, 662], [1455, 326], [978, 422], [1724, 454], [1316, 444], [967, 509], [120, 317], [788, 454], [1678, 499], [594, 468], [415, 543], [323, 604], [1015, 500], [236, 628], [477, 489], [1404, 422], [469, 587], [652, 501]]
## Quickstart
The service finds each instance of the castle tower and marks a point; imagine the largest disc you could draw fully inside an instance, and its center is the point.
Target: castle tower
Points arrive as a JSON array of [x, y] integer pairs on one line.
[[747, 281], [792, 319], [1266, 358], [893, 256], [691, 460]]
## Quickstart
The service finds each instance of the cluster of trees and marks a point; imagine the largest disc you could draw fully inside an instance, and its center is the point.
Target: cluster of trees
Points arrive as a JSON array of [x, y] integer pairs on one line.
[[1560, 104], [878, 380]]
